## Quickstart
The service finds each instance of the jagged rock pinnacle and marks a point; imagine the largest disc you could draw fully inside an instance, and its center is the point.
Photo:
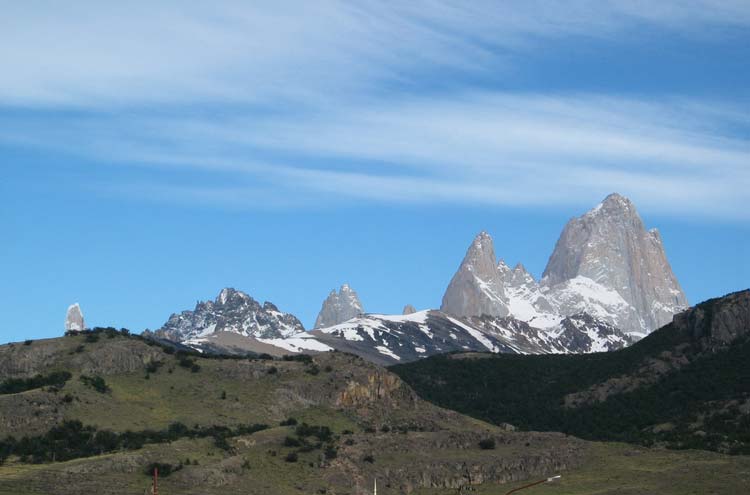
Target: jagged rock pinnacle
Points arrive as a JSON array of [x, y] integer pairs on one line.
[[74, 318], [339, 307], [477, 286]]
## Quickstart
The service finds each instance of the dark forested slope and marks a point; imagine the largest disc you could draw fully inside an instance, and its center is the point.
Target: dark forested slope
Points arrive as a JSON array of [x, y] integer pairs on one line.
[[687, 385]]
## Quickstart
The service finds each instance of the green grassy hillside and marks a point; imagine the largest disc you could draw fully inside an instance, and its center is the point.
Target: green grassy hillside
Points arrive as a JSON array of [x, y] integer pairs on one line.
[[97, 409]]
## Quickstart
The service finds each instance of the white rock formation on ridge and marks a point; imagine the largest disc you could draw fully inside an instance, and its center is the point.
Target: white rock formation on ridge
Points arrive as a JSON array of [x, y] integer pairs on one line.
[[339, 307], [74, 318], [610, 247]]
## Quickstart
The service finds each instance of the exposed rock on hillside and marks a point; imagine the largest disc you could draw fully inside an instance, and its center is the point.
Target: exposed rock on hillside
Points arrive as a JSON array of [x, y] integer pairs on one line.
[[74, 318]]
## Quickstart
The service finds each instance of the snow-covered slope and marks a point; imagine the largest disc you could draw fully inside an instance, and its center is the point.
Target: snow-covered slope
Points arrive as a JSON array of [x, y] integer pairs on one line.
[[389, 339]]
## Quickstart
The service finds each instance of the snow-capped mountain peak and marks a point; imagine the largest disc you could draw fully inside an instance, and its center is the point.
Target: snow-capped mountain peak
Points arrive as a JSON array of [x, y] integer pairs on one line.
[[610, 246], [232, 311]]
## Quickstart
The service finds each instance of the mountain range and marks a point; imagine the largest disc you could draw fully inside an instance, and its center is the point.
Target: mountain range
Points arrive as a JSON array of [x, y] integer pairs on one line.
[[607, 284]]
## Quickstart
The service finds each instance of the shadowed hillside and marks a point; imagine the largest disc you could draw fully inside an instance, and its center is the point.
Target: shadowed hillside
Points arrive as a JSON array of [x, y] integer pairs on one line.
[[686, 385]]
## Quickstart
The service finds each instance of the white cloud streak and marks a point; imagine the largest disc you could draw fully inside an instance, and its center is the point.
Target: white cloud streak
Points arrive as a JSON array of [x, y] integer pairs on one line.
[[283, 104]]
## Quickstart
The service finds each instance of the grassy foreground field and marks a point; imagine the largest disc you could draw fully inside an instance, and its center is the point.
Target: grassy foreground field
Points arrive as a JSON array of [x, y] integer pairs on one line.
[[608, 469], [622, 469], [375, 427]]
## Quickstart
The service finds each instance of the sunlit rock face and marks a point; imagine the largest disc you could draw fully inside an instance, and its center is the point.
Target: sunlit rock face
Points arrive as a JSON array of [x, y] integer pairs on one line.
[[339, 307], [477, 288], [608, 250], [74, 318]]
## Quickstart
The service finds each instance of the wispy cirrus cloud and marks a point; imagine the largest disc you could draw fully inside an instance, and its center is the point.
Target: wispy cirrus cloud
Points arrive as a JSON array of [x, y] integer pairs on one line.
[[282, 105]]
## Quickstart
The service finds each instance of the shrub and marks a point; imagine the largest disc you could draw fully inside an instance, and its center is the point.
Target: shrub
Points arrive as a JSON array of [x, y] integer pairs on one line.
[[312, 370], [154, 366], [79, 349], [223, 395], [96, 382], [291, 457], [291, 442], [195, 368], [302, 358], [330, 452], [164, 469], [487, 444], [27, 342], [221, 442], [91, 337], [368, 458], [322, 433], [185, 362], [272, 370], [16, 385], [288, 422]]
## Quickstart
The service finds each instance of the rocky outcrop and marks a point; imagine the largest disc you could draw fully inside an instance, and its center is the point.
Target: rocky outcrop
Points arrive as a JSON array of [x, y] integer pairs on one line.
[[232, 311], [409, 309], [610, 246], [477, 288], [74, 319], [339, 307], [380, 388], [717, 321]]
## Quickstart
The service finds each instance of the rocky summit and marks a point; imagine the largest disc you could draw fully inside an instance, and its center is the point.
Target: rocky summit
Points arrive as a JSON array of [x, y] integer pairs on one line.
[[232, 311], [477, 288], [339, 307], [611, 247], [74, 319], [605, 264]]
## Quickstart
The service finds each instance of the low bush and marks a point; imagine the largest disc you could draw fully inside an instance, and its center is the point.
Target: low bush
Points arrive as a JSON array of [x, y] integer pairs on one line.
[[16, 385], [487, 444], [96, 382]]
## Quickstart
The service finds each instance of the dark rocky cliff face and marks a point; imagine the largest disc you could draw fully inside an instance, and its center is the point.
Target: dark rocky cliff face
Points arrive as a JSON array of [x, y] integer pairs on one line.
[[717, 321]]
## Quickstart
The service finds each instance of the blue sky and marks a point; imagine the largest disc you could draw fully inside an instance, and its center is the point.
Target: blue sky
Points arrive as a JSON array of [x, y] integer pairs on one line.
[[153, 154]]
